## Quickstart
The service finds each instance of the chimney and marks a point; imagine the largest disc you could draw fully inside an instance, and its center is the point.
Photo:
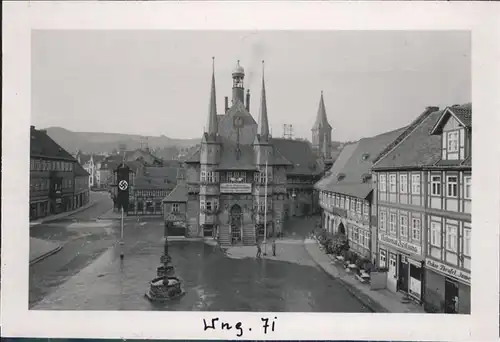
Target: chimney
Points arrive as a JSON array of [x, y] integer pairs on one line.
[[248, 101], [226, 104]]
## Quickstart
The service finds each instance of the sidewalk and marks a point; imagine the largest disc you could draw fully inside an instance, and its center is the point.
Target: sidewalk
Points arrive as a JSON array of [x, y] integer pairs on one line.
[[376, 300], [41, 249], [62, 215]]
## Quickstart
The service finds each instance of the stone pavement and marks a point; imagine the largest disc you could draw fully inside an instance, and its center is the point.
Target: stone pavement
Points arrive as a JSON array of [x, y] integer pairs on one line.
[[378, 300], [287, 250], [41, 249]]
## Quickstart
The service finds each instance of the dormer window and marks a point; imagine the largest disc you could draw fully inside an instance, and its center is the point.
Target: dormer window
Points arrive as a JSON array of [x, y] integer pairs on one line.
[[365, 178], [452, 145], [340, 177], [365, 156]]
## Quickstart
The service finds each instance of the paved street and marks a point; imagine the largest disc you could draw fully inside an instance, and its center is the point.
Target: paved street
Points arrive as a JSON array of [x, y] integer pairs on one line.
[[84, 239], [96, 279]]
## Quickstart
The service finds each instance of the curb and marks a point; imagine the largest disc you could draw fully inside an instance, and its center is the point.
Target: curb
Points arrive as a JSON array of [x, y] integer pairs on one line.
[[364, 299], [66, 214], [46, 255]]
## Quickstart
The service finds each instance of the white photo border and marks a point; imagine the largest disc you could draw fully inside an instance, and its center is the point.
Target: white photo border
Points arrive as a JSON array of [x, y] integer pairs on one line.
[[20, 17]]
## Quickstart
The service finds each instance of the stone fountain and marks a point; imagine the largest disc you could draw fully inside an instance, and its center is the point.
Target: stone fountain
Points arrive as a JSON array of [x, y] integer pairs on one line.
[[166, 285]]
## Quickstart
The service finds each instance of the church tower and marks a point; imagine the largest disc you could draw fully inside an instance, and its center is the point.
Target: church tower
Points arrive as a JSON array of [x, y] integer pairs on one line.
[[322, 133]]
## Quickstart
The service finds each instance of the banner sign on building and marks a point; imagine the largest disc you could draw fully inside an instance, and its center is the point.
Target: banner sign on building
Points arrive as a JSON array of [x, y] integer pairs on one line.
[[235, 188], [400, 244], [449, 271], [123, 187]]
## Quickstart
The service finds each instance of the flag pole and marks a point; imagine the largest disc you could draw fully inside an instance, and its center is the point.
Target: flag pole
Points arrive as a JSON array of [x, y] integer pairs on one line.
[[265, 214], [121, 237]]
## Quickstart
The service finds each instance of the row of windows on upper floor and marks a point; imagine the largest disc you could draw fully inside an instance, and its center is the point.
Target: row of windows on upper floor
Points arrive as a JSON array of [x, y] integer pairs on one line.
[[241, 177], [413, 232], [209, 205], [50, 165], [44, 184], [348, 203], [450, 185]]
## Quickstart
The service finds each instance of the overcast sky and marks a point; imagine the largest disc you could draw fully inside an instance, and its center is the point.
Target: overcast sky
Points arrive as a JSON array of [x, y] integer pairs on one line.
[[158, 82]]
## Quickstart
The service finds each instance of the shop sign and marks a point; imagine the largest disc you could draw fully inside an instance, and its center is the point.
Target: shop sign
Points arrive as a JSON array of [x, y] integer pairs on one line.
[[448, 271], [405, 245], [236, 188]]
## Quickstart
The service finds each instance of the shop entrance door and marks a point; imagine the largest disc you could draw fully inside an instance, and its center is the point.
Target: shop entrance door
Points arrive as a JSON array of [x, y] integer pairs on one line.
[[403, 273], [450, 296]]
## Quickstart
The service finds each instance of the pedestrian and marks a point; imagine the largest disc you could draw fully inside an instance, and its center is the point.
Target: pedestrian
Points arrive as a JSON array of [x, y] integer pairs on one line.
[[259, 250], [274, 247]]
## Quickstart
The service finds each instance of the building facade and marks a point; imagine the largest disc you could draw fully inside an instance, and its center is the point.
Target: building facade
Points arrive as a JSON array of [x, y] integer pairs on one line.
[[52, 176], [82, 188], [422, 203], [449, 226], [149, 185], [346, 193], [242, 183]]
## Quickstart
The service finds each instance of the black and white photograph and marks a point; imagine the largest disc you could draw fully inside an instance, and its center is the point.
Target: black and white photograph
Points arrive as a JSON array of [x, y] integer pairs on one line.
[[253, 180], [261, 171]]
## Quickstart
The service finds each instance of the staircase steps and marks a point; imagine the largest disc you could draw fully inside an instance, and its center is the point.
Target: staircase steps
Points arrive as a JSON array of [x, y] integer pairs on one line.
[[249, 235], [224, 235]]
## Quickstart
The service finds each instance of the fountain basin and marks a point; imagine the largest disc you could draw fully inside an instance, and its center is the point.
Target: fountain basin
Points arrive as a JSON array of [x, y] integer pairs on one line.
[[164, 289]]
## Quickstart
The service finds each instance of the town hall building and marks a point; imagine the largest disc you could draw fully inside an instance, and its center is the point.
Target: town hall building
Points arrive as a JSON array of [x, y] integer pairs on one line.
[[242, 183]]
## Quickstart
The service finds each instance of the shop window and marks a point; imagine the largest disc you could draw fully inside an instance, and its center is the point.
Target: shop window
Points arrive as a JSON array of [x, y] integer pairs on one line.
[[383, 259], [436, 185]]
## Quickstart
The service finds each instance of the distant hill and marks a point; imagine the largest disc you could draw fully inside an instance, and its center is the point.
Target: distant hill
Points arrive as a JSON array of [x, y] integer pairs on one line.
[[97, 142]]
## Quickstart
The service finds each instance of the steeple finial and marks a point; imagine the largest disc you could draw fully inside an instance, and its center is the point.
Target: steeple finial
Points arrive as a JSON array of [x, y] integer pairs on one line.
[[263, 128], [212, 109]]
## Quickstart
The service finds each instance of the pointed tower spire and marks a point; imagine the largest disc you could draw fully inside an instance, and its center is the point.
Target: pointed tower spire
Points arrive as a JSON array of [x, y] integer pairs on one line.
[[212, 109], [263, 129], [321, 119]]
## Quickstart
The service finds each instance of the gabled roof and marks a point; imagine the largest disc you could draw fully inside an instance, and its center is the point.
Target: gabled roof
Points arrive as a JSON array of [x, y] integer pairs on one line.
[[80, 171], [162, 173], [332, 174], [463, 114], [355, 180], [41, 145], [299, 153], [149, 183], [415, 147], [179, 194]]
